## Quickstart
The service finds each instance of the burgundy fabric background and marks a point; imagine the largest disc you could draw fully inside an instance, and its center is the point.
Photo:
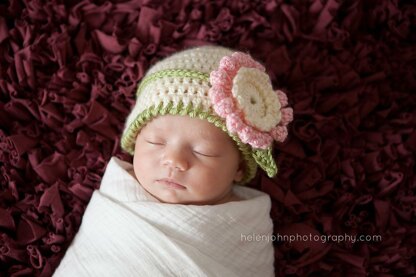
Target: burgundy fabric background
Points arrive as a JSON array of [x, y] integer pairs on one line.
[[68, 71]]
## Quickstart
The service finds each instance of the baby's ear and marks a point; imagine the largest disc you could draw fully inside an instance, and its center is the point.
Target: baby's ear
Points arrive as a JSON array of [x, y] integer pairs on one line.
[[240, 171]]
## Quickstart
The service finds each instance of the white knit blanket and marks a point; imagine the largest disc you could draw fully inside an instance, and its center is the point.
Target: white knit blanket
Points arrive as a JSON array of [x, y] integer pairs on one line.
[[127, 232]]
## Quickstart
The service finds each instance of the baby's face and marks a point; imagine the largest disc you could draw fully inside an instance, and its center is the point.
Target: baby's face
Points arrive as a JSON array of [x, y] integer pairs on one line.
[[184, 160]]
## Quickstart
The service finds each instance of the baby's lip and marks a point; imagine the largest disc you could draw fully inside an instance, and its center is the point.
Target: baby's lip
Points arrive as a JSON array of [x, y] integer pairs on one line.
[[171, 183]]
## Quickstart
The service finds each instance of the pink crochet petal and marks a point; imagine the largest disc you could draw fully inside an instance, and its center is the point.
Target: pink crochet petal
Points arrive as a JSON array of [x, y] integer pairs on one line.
[[236, 60], [246, 61], [224, 107], [287, 116], [220, 78], [228, 64], [262, 140], [255, 138], [282, 98], [234, 123], [245, 135], [279, 133], [216, 94], [243, 58]]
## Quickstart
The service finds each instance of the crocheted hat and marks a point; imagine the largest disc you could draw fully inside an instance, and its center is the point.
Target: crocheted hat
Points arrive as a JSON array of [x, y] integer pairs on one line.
[[227, 88]]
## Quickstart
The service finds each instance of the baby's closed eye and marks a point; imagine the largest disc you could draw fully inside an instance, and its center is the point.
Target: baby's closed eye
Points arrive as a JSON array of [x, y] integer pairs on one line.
[[205, 151], [155, 142]]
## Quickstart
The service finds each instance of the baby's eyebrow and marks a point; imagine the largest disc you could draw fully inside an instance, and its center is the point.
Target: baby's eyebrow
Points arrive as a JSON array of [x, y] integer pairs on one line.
[[207, 136], [203, 134]]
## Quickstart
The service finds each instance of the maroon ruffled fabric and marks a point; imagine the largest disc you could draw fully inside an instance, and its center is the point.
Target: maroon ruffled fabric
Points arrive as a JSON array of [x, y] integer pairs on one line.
[[68, 72]]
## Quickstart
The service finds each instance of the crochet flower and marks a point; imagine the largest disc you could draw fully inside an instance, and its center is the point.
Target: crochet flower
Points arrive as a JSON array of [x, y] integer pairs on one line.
[[242, 94]]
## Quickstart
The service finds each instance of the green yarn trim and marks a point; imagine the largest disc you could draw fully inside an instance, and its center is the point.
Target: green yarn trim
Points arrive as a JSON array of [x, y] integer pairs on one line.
[[264, 159], [172, 73], [129, 138]]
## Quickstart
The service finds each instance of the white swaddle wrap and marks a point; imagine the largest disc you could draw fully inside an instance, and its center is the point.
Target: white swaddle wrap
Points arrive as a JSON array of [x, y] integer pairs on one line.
[[126, 232]]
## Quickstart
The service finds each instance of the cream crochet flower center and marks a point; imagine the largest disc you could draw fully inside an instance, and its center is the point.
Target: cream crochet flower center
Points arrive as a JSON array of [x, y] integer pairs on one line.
[[255, 96]]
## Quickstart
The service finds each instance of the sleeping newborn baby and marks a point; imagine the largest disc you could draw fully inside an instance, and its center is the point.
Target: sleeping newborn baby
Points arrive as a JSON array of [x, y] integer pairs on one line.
[[204, 120]]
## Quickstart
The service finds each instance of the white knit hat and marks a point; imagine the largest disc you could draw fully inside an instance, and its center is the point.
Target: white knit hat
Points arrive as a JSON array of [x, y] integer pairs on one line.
[[227, 88]]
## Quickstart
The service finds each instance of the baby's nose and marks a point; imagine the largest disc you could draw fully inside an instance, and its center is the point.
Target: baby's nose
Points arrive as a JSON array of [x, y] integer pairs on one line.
[[175, 159]]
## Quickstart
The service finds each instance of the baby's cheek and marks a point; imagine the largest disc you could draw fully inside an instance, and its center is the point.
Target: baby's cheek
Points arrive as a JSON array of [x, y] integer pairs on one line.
[[142, 160], [142, 170], [206, 177]]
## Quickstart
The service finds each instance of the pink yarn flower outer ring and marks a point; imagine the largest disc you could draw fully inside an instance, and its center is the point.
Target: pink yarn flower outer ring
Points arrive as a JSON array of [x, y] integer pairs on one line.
[[227, 106]]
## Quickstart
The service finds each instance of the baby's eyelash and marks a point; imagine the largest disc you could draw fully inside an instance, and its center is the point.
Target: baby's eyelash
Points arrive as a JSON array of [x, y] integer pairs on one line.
[[205, 155], [154, 143]]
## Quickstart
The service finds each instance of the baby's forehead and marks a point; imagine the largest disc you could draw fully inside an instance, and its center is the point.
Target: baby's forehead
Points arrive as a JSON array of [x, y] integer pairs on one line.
[[179, 123]]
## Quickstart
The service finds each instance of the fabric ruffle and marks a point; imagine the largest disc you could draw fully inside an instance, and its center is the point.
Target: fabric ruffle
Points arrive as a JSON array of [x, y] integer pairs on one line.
[[68, 77]]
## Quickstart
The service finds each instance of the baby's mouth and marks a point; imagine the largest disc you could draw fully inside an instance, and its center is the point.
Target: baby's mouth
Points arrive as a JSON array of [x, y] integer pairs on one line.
[[171, 183]]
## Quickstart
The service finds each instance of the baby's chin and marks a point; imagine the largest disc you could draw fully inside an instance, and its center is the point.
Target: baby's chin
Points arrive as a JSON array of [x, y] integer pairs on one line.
[[173, 200], [185, 197], [199, 202]]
